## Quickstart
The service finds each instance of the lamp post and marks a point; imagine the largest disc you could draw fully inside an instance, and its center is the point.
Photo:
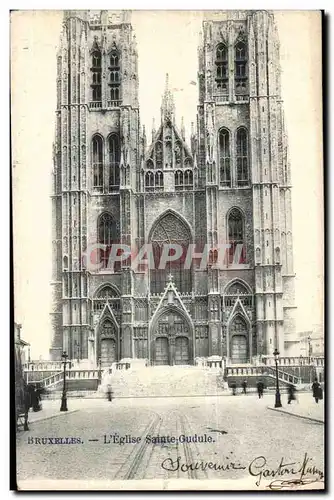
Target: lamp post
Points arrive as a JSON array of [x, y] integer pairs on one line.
[[99, 365], [278, 403], [309, 350], [63, 398], [309, 357]]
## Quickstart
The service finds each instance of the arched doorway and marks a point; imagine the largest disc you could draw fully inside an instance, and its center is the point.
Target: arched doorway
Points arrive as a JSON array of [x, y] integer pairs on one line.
[[239, 350], [108, 343], [171, 341]]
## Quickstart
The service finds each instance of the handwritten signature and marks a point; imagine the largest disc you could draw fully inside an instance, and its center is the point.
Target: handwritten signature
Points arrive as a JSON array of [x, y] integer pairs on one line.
[[258, 468]]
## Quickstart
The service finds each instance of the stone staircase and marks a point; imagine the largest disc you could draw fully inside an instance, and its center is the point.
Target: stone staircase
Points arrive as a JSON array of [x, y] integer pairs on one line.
[[164, 381], [267, 374]]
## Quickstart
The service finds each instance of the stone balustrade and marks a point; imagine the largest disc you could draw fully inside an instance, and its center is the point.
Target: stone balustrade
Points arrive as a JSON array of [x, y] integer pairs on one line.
[[293, 361], [260, 371], [70, 375]]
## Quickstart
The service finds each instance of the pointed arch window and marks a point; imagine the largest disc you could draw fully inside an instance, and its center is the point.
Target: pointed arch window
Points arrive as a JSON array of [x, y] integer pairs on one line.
[[236, 238], [222, 68], [178, 176], [96, 71], [159, 181], [170, 230], [183, 180], [108, 234], [97, 161], [225, 158], [114, 79], [154, 181], [109, 295], [240, 68], [188, 179], [242, 157], [114, 153]]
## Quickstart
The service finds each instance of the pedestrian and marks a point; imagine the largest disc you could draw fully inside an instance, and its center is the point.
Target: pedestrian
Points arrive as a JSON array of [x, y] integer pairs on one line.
[[234, 388], [291, 393], [109, 392], [317, 390], [244, 387], [260, 388]]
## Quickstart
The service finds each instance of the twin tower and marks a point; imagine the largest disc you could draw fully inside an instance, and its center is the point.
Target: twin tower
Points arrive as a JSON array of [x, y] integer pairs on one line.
[[230, 185]]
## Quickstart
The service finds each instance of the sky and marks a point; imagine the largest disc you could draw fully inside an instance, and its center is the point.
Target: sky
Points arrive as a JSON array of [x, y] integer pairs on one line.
[[167, 43]]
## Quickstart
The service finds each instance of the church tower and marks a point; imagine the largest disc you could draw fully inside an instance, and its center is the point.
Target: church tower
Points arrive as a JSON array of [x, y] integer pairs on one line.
[[95, 160], [246, 176]]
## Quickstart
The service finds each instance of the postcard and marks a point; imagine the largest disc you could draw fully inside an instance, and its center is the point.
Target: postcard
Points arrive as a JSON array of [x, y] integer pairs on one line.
[[167, 176]]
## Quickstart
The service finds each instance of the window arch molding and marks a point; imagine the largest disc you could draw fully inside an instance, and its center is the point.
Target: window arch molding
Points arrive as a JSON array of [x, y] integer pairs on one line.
[[237, 281], [240, 66], [225, 156], [240, 50], [114, 77], [178, 216], [104, 285], [107, 234], [114, 58], [114, 158], [241, 141], [98, 136], [221, 51], [235, 233], [221, 61], [97, 158], [170, 228], [96, 74]]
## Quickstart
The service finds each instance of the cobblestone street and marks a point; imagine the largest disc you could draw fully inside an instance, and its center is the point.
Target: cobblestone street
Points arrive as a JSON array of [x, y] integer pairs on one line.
[[115, 441]]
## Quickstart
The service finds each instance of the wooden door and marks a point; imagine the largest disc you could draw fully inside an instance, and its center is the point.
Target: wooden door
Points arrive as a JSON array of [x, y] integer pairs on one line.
[[239, 349], [161, 351], [108, 352], [181, 351]]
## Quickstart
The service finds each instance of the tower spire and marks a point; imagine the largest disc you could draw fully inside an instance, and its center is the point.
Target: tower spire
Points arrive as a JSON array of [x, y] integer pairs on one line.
[[183, 130], [153, 129], [167, 106]]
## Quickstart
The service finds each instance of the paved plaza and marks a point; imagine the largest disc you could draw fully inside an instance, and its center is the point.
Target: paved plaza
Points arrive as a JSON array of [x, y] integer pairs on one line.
[[131, 439]]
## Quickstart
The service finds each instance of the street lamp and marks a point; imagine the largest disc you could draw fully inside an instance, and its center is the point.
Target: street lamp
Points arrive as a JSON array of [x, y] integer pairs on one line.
[[309, 357], [309, 350], [99, 365], [278, 403], [63, 398]]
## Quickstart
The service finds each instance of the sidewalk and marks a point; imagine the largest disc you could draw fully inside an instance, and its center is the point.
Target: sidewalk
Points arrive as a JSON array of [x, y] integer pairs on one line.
[[51, 409], [305, 407]]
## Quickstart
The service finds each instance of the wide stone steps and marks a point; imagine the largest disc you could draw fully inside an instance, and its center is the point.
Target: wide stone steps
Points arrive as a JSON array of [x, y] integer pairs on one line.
[[163, 381]]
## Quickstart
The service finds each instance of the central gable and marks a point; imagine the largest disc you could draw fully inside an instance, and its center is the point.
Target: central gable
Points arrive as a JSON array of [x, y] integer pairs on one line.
[[168, 149]]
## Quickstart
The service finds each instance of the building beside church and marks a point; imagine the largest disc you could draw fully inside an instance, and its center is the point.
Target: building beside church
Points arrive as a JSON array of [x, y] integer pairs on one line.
[[231, 184]]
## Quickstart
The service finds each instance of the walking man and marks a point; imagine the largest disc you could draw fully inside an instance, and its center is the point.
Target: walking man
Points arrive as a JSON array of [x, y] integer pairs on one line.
[[109, 393], [317, 390], [234, 388], [244, 387], [291, 393], [260, 388]]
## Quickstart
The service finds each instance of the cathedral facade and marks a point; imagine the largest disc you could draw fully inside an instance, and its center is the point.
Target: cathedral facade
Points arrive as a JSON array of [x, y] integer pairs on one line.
[[111, 185]]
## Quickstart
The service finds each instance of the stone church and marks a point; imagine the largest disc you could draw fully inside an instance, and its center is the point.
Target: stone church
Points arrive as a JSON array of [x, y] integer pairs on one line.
[[231, 184]]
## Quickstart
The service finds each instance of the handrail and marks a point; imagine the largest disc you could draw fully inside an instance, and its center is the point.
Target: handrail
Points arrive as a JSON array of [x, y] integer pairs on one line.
[[70, 375], [262, 371]]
